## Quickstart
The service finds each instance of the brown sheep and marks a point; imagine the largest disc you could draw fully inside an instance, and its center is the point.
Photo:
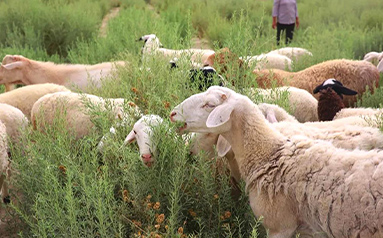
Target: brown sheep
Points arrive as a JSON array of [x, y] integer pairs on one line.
[[353, 74]]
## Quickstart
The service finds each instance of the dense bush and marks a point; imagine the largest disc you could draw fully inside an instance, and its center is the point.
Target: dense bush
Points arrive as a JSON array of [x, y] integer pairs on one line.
[[67, 188]]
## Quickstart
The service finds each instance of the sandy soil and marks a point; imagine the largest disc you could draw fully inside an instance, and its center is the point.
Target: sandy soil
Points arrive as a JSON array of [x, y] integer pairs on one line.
[[112, 13]]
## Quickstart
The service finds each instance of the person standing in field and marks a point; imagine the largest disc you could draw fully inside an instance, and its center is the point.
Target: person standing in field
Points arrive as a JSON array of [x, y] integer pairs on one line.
[[285, 18]]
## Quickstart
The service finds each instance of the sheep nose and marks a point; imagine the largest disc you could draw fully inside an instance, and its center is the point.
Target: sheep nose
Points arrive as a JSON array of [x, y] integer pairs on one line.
[[146, 158], [172, 115]]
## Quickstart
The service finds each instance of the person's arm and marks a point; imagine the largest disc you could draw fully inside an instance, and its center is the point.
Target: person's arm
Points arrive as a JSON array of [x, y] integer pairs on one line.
[[275, 13], [296, 16]]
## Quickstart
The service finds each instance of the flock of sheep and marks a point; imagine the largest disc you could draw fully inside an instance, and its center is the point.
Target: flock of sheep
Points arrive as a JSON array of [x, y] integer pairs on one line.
[[315, 172]]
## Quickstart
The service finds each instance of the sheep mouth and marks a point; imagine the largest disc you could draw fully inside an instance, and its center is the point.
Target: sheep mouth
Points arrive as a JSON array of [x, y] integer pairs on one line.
[[182, 128], [148, 163]]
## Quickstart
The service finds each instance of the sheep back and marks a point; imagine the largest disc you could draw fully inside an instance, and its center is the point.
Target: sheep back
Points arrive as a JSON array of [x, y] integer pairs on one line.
[[349, 112], [23, 98], [353, 74], [333, 190], [14, 120], [68, 106]]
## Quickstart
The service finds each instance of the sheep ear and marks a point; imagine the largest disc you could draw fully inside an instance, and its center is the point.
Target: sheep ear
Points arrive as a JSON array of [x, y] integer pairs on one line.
[[270, 116], [223, 146], [14, 65], [316, 90], [219, 116], [343, 90], [130, 138], [380, 66]]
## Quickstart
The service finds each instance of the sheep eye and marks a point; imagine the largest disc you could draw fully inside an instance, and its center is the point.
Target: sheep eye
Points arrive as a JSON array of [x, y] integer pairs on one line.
[[135, 132], [207, 105]]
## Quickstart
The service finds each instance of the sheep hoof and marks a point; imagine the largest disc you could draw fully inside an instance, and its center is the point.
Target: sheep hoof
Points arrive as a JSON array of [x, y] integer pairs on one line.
[[7, 200]]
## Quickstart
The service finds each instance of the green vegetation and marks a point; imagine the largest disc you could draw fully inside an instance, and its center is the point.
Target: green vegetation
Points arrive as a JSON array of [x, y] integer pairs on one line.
[[67, 188]]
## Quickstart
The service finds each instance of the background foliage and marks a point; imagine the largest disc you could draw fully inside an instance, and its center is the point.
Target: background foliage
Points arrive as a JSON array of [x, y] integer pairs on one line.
[[66, 188]]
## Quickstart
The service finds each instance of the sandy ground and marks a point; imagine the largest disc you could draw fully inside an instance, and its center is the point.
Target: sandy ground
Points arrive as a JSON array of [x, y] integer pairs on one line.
[[8, 228], [104, 24]]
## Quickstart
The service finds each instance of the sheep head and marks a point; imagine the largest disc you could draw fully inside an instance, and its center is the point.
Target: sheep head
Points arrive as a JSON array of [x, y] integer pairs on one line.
[[11, 70], [207, 112], [336, 86], [142, 133]]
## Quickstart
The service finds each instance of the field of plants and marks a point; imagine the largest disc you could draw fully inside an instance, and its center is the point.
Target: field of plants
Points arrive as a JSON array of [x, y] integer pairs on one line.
[[63, 187]]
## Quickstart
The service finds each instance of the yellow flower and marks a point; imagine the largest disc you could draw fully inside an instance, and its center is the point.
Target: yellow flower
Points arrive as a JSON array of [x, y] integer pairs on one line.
[[157, 226], [160, 218], [216, 196], [156, 206], [180, 230], [227, 214], [62, 168], [192, 213], [125, 195]]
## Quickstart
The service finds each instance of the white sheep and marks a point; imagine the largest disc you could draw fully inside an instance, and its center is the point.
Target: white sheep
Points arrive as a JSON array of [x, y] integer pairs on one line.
[[152, 46], [297, 184], [21, 70], [294, 53], [373, 57], [349, 112], [302, 103], [23, 98], [4, 164], [380, 66], [14, 120], [268, 61], [274, 113], [75, 108]]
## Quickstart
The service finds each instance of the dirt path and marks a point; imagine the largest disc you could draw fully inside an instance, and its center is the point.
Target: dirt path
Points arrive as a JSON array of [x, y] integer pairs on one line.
[[8, 227], [196, 42], [104, 25]]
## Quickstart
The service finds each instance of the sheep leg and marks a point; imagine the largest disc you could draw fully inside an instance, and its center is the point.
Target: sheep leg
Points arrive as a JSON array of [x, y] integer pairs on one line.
[[9, 87], [4, 187]]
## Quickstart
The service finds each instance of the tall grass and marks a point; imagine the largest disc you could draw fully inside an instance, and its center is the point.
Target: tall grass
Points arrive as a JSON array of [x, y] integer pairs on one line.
[[67, 188]]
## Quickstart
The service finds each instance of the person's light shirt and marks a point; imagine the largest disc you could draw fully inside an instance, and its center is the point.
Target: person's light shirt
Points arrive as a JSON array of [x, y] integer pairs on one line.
[[285, 10]]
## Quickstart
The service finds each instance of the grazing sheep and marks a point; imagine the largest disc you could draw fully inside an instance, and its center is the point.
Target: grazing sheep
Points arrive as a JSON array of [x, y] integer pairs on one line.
[[302, 104], [142, 132], [294, 53], [203, 77], [76, 109], [227, 63], [363, 112], [268, 61], [4, 164], [380, 66], [14, 120], [23, 98], [297, 184], [274, 113], [22, 70], [373, 57], [353, 74], [330, 100], [153, 46]]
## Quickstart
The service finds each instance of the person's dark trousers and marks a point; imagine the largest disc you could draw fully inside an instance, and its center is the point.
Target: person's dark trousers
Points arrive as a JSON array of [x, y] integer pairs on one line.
[[289, 28]]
